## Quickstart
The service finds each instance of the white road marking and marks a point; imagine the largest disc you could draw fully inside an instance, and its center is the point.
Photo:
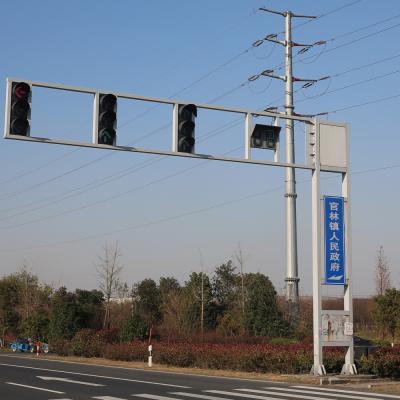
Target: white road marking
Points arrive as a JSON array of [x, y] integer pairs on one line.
[[154, 397], [108, 398], [144, 369], [347, 396], [296, 396], [95, 376], [34, 387], [350, 391], [247, 396], [55, 378], [199, 396]]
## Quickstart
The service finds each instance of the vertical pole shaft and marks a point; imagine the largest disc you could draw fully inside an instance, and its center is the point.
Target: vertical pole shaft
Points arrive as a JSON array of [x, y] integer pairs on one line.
[[202, 303], [247, 133], [292, 292], [349, 366], [318, 367]]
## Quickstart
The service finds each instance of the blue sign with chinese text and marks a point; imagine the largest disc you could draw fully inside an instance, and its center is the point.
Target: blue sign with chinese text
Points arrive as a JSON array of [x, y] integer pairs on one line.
[[334, 241]]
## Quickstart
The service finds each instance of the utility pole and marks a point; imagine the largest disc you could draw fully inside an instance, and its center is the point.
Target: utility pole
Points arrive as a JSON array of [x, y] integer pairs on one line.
[[202, 296], [292, 279]]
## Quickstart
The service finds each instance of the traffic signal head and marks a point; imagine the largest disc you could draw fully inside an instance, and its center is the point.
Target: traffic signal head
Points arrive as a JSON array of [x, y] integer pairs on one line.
[[187, 114], [265, 136], [20, 109], [107, 119]]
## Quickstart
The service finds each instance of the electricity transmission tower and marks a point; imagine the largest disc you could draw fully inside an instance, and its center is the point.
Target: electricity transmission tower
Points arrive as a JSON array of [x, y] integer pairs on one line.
[[292, 279]]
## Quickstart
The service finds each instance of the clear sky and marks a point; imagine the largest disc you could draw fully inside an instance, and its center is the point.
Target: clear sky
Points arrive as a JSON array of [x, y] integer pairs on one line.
[[59, 205]]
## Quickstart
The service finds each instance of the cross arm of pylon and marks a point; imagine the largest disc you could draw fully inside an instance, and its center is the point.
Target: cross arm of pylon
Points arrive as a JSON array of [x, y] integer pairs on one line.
[[285, 13], [269, 74], [310, 46], [273, 38], [310, 82]]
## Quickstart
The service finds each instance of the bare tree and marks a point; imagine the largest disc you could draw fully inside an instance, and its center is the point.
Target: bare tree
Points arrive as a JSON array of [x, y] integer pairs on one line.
[[382, 273], [109, 270], [202, 295], [240, 261]]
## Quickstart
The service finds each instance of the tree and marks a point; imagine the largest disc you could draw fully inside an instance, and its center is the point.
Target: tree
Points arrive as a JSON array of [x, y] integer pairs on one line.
[[382, 273], [167, 286], [64, 315], [148, 301], [387, 311], [262, 315], [240, 261], [89, 306], [228, 290], [198, 292], [134, 328], [225, 285], [109, 271], [9, 299], [174, 312]]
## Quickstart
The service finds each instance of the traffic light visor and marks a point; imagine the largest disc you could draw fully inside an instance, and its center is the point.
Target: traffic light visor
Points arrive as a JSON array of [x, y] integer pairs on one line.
[[187, 111], [108, 102], [22, 90]]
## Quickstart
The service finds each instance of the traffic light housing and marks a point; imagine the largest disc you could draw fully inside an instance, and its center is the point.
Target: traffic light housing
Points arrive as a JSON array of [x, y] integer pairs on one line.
[[187, 114], [20, 109], [106, 119], [265, 136]]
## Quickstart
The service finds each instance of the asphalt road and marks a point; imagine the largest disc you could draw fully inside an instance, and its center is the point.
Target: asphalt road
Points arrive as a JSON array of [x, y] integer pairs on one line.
[[25, 377]]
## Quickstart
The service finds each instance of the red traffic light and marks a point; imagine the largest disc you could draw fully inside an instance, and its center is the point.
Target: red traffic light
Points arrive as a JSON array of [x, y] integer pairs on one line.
[[22, 90]]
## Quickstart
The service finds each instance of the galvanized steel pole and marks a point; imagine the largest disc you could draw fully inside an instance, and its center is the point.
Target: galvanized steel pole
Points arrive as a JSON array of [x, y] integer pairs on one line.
[[292, 279]]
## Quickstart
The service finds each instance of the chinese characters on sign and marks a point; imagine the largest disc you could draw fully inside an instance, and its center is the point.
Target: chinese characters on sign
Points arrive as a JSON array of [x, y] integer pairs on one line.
[[334, 241]]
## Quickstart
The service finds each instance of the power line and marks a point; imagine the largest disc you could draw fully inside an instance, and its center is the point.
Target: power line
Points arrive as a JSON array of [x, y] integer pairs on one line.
[[333, 76], [40, 167], [196, 211], [364, 104], [352, 85], [227, 126], [323, 15], [111, 178], [113, 197], [54, 178], [175, 174], [280, 66], [86, 164], [203, 77], [214, 70]]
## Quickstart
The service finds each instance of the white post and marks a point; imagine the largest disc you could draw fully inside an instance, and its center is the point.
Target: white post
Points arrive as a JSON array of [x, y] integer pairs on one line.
[[277, 150], [150, 360], [247, 138], [349, 366], [175, 127], [318, 366], [95, 138]]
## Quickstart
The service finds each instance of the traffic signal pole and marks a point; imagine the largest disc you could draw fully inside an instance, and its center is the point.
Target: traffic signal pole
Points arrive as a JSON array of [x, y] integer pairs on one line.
[[327, 150]]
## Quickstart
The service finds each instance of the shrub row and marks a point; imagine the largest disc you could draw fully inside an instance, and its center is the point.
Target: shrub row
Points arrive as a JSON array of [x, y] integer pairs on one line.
[[274, 358], [384, 362]]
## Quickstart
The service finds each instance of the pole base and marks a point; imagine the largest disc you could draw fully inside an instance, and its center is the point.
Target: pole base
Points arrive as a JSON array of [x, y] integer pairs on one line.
[[349, 369], [318, 370]]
